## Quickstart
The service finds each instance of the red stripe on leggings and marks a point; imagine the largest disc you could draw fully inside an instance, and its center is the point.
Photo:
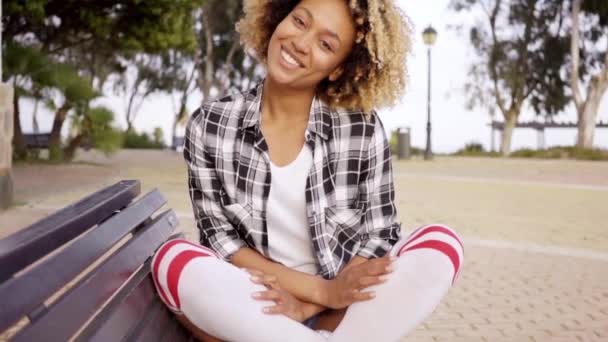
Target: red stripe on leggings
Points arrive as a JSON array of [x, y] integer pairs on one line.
[[209, 250], [160, 255], [175, 269], [442, 247], [431, 229]]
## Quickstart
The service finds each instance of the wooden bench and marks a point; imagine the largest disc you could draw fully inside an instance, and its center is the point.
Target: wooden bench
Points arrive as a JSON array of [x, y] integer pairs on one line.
[[37, 140], [96, 253], [178, 143]]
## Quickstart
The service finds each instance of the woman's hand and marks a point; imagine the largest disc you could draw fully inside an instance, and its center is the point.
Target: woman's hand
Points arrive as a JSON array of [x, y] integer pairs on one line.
[[285, 303], [347, 287]]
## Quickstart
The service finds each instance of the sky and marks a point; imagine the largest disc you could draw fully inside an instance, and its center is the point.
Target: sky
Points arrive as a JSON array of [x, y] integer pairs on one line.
[[452, 125]]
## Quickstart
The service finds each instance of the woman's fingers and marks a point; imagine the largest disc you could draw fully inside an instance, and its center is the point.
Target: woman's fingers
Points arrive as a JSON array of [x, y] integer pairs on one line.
[[275, 309], [268, 280], [253, 271], [365, 282], [378, 266], [359, 296], [267, 295]]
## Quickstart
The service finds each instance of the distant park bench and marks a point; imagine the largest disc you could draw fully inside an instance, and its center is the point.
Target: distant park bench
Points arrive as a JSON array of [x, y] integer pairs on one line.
[[37, 140], [107, 240], [178, 143]]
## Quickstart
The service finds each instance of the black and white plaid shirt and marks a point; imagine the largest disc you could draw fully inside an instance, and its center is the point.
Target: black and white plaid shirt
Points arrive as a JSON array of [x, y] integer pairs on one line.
[[349, 190]]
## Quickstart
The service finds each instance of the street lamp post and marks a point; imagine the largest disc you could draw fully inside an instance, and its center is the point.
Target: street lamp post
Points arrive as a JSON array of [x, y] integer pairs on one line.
[[429, 35]]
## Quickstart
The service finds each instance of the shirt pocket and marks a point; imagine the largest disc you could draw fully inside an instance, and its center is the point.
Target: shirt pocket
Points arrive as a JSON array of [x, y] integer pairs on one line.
[[344, 223]]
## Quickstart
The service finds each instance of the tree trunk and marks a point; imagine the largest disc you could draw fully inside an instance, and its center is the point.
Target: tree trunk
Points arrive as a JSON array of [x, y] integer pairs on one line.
[[55, 152], [587, 115], [129, 109], [19, 147], [35, 126], [70, 150], [179, 117], [507, 132]]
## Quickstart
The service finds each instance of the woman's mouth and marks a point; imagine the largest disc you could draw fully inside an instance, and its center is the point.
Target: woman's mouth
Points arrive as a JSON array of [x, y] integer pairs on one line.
[[288, 60]]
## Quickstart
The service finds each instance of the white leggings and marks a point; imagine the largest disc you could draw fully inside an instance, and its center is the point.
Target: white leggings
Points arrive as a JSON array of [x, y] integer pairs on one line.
[[216, 295]]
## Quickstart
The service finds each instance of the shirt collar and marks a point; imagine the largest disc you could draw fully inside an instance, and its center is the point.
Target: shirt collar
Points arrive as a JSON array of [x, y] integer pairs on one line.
[[319, 122]]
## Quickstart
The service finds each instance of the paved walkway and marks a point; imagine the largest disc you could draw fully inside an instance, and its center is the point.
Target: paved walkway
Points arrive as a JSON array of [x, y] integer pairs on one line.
[[526, 276], [506, 294]]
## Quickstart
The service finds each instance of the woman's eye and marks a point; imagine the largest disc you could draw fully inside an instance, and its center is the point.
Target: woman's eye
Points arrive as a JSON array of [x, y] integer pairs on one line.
[[326, 45], [298, 21]]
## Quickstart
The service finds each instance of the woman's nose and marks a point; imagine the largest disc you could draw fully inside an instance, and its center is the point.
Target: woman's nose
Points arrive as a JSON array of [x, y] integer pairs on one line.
[[302, 43]]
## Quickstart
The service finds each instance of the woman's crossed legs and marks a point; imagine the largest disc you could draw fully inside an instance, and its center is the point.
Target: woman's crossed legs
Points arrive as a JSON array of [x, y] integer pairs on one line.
[[215, 296]]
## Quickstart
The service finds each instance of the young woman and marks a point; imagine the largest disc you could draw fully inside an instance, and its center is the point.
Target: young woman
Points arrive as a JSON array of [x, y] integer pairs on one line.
[[292, 189]]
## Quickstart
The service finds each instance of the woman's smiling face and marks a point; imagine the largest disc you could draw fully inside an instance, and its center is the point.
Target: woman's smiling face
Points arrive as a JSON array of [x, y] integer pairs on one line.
[[310, 43]]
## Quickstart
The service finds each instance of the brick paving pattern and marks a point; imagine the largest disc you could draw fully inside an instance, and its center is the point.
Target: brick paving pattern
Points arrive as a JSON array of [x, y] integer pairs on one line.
[[549, 282]]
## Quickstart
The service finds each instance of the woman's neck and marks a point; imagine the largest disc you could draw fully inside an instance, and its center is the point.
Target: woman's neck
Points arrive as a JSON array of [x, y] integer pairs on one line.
[[283, 105]]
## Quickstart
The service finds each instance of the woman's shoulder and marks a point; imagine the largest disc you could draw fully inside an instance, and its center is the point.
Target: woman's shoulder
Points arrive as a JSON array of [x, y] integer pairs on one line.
[[356, 121], [231, 105]]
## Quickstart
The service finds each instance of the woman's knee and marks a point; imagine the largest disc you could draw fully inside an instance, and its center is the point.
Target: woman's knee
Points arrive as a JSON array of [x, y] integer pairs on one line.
[[199, 334], [438, 237], [167, 265]]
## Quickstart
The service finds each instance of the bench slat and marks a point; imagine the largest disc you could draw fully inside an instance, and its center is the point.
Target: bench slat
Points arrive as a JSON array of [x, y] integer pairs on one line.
[[175, 332], [156, 321], [141, 316], [33, 242], [80, 302], [125, 310], [24, 293]]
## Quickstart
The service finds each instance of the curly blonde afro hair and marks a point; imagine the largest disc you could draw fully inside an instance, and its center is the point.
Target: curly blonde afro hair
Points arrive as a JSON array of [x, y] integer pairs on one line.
[[374, 73]]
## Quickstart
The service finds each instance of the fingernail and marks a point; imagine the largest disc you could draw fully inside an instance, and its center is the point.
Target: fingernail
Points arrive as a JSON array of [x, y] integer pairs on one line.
[[255, 278], [256, 295], [389, 268], [266, 310], [383, 278], [392, 258], [372, 295]]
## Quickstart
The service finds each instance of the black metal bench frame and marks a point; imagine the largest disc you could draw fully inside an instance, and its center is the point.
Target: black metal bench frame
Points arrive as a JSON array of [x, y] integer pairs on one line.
[[115, 299], [37, 140]]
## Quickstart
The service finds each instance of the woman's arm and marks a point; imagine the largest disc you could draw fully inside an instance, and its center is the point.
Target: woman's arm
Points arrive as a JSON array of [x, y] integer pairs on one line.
[[313, 291], [379, 230], [205, 189], [305, 287]]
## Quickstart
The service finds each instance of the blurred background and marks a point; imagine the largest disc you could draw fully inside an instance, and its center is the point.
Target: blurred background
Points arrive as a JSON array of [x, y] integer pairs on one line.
[[502, 134]]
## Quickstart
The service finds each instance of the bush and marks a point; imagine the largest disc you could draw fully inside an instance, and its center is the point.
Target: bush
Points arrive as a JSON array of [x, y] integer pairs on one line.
[[140, 141], [563, 152], [475, 149]]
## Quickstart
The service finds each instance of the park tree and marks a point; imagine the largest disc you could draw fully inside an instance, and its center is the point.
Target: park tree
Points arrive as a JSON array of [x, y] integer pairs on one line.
[[588, 64], [223, 63], [97, 38], [217, 66], [512, 66]]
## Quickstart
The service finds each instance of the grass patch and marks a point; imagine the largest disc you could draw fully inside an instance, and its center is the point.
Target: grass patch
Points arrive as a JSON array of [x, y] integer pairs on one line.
[[563, 152], [557, 152]]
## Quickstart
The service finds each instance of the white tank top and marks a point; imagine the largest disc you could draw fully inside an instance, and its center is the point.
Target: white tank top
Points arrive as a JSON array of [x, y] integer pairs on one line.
[[289, 240]]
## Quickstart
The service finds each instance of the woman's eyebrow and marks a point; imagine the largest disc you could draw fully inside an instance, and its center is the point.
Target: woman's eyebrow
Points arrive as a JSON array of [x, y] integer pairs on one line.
[[330, 32]]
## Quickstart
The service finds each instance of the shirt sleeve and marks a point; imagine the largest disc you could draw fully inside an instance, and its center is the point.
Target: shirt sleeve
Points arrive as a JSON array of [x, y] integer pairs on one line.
[[205, 190], [380, 230]]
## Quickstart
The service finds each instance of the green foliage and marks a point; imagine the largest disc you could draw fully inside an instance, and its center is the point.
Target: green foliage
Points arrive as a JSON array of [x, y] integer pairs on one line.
[[158, 135], [100, 131], [136, 140], [475, 149], [557, 152], [519, 57], [562, 152], [64, 49]]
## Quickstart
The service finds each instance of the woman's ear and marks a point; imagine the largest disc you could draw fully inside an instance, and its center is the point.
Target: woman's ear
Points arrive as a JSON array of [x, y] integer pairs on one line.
[[336, 73]]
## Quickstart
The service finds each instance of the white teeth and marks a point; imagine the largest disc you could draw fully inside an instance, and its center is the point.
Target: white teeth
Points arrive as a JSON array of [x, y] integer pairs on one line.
[[288, 58]]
